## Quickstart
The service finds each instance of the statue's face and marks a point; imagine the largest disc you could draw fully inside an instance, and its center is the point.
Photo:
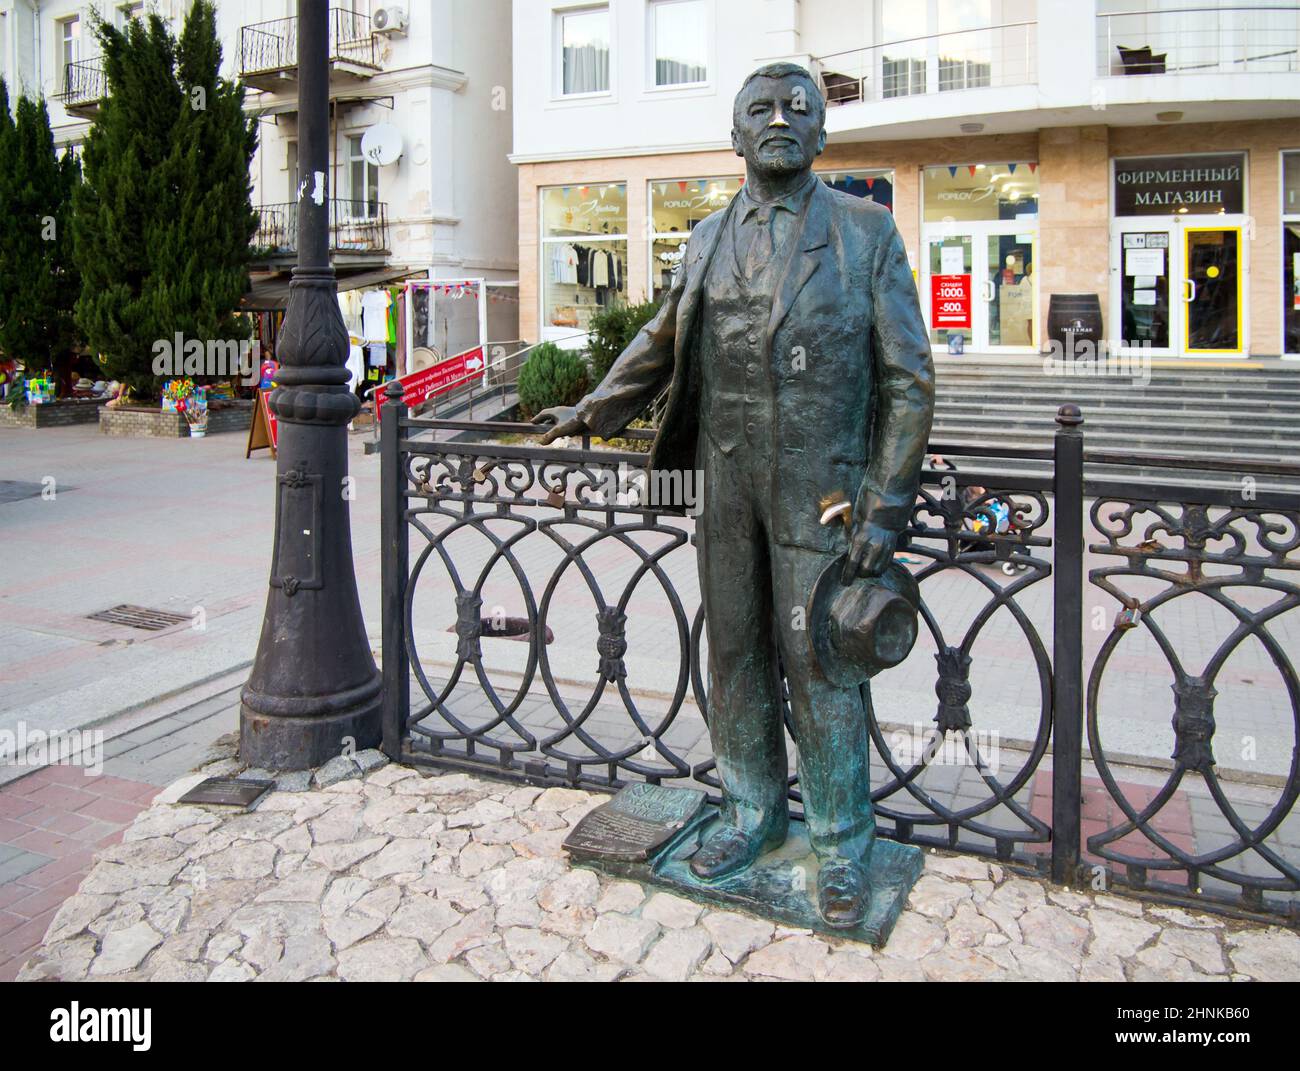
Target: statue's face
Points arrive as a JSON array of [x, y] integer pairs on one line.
[[777, 125]]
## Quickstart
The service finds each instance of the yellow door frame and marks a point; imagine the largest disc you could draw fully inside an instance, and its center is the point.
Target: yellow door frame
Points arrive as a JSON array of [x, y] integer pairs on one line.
[[1186, 273]]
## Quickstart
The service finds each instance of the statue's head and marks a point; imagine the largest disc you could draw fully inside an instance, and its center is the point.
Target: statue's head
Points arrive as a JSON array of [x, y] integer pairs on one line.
[[778, 121]]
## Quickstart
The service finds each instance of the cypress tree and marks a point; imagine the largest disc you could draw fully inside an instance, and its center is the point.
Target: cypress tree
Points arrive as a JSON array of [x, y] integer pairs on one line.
[[164, 216], [200, 270], [6, 215], [41, 285]]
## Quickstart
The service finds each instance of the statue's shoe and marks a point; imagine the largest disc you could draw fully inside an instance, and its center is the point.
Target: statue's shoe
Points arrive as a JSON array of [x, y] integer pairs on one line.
[[842, 894], [729, 850]]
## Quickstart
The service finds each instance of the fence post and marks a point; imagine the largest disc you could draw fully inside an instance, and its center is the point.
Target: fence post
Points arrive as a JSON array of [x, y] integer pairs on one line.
[[394, 571], [1067, 645]]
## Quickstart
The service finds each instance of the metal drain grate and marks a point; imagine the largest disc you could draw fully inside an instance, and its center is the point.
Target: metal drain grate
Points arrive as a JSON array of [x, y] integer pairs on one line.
[[140, 617]]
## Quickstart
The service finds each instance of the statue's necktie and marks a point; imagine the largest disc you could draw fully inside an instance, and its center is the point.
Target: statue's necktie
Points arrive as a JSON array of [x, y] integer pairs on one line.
[[760, 244]]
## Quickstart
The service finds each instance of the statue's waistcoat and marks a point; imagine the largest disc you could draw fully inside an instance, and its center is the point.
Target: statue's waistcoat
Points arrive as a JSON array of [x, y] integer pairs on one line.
[[737, 399]]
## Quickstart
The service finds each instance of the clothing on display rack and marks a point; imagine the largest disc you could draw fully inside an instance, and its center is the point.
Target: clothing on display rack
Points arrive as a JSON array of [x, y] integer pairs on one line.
[[374, 315]]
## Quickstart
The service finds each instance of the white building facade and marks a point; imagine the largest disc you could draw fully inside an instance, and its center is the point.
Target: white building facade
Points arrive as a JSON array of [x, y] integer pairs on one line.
[[1141, 154], [433, 76]]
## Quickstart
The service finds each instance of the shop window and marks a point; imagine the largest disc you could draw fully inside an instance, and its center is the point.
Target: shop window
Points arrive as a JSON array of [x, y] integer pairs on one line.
[[679, 40], [1291, 252], [582, 51], [877, 186], [960, 192], [583, 254], [676, 206]]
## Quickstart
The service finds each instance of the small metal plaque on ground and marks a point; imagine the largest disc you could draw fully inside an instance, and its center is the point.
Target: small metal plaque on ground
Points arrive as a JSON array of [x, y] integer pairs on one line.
[[228, 791], [635, 824]]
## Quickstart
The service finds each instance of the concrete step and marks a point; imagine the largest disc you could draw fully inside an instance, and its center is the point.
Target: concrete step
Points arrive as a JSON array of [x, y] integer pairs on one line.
[[1057, 394], [1190, 422], [1259, 447], [992, 468]]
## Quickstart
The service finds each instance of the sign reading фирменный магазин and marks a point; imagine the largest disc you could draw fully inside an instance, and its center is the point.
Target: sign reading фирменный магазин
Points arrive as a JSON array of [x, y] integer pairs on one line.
[[1203, 183]]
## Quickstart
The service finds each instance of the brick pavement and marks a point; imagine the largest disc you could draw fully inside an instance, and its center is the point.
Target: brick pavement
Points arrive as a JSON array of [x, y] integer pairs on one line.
[[54, 819]]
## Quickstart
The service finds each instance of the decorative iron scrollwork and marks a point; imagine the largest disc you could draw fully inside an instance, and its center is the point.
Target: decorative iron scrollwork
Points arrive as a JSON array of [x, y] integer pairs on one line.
[[1194, 723], [612, 644], [953, 690]]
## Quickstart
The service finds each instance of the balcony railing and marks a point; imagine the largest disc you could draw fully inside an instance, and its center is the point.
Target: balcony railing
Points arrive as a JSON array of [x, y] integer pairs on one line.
[[267, 47], [1200, 40], [84, 83], [355, 227], [1003, 55]]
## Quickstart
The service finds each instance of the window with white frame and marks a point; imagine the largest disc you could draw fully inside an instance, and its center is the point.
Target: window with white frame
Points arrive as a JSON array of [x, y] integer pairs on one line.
[[127, 12], [932, 46], [69, 43], [363, 181], [679, 42], [582, 37], [291, 167]]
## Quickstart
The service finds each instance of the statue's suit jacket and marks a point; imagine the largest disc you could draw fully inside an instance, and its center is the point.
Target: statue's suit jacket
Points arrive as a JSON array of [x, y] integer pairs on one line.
[[846, 350]]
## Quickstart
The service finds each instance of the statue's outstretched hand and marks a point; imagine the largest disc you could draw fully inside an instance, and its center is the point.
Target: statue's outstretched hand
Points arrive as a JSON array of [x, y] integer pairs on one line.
[[564, 420]]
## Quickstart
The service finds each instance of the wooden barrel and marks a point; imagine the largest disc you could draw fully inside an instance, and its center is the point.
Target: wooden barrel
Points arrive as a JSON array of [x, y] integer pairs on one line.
[[1072, 318]]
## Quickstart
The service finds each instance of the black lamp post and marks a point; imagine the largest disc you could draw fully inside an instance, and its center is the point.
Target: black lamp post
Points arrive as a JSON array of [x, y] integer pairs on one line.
[[314, 686]]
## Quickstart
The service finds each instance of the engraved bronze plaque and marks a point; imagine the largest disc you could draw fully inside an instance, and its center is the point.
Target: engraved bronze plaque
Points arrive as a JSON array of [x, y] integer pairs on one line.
[[228, 791], [635, 824]]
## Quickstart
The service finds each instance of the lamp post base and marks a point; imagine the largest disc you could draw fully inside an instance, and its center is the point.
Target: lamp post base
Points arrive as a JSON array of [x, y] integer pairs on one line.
[[284, 742]]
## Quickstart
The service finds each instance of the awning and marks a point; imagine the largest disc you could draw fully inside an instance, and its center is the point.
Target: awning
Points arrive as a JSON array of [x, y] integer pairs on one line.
[[270, 290]]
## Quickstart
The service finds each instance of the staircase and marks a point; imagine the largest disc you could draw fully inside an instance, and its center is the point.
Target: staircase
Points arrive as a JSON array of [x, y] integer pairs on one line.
[[1191, 409]]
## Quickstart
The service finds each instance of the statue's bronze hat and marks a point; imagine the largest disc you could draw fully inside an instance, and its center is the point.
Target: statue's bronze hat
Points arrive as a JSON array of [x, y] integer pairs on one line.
[[856, 630]]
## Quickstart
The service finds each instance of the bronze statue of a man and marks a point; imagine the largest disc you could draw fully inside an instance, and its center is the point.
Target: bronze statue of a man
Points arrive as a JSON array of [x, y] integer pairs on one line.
[[799, 371]]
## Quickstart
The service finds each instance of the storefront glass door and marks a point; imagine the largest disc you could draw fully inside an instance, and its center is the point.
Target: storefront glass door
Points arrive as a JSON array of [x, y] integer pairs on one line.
[[978, 286], [1177, 287], [1212, 270]]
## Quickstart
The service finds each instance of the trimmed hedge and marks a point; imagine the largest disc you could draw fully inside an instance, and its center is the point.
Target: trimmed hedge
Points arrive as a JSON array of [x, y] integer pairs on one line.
[[551, 376]]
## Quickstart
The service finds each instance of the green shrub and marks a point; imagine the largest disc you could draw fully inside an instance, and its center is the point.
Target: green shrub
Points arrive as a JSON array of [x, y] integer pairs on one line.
[[551, 376], [640, 446], [612, 329]]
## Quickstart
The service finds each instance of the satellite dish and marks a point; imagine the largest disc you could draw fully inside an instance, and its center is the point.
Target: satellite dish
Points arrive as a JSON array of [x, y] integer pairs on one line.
[[382, 144], [423, 357]]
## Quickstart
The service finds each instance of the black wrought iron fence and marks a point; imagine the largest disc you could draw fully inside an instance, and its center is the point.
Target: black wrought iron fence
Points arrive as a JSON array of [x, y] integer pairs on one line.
[[273, 45], [979, 737]]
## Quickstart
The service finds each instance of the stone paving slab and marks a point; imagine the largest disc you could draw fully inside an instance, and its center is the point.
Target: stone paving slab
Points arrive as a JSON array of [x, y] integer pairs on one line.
[[393, 874]]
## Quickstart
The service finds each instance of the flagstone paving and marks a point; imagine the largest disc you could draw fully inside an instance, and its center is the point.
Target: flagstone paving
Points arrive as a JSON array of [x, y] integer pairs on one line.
[[379, 872]]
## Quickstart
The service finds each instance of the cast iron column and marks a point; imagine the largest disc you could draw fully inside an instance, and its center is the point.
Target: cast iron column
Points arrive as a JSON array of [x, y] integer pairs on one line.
[[314, 685]]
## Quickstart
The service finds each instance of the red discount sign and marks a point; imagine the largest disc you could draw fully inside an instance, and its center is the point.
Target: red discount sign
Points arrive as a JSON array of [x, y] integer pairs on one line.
[[950, 301], [268, 414], [418, 387]]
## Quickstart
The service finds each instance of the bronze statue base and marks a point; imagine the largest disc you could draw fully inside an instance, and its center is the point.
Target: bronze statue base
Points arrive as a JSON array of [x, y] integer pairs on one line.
[[625, 838]]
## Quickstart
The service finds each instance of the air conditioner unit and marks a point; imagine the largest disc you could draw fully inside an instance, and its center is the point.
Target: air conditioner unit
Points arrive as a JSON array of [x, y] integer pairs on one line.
[[390, 20]]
